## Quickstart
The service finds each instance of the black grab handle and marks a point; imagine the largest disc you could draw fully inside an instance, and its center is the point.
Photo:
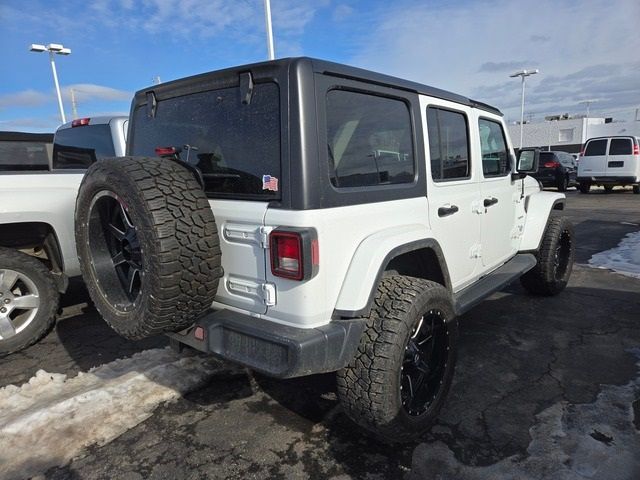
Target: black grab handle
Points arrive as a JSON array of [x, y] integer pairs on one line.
[[446, 211]]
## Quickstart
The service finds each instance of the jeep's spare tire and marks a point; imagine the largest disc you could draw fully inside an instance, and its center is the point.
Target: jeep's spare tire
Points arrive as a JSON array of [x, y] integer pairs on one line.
[[148, 245]]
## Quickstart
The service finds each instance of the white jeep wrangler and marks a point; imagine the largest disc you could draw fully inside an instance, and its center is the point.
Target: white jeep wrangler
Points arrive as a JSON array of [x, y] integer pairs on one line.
[[310, 217]]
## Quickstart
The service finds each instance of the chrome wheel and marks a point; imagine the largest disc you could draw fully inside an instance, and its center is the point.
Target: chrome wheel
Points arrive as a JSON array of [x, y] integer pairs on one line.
[[425, 363], [19, 302]]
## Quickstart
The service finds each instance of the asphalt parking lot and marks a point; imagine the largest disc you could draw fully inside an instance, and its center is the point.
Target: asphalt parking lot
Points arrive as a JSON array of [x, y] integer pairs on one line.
[[544, 388]]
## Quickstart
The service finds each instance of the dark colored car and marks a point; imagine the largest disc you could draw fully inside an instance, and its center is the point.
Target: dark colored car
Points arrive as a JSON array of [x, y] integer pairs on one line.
[[557, 169]]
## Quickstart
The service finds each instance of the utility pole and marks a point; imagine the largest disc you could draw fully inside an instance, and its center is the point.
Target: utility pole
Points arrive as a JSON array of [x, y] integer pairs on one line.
[[586, 124], [269, 28], [74, 104], [523, 74]]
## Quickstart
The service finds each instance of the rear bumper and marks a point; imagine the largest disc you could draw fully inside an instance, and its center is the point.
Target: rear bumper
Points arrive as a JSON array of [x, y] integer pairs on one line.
[[609, 180], [274, 349]]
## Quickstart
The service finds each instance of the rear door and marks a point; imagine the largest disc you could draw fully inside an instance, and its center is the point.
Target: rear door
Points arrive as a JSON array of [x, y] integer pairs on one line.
[[594, 161], [453, 190], [621, 161]]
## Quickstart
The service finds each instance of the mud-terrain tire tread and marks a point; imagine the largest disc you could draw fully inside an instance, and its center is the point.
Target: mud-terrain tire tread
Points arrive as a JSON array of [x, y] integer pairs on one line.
[[45, 319], [367, 385], [178, 233], [540, 280]]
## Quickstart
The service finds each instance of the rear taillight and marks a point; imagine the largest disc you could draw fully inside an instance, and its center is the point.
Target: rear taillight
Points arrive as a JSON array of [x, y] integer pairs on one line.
[[553, 164], [166, 151], [294, 253], [80, 122], [636, 149]]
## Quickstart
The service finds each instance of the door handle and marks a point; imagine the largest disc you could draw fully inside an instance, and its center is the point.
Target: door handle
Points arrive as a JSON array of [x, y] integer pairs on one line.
[[446, 211], [490, 201]]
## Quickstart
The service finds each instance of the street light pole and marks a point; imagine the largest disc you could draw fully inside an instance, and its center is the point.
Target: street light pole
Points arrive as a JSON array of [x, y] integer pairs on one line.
[[269, 28], [523, 74], [57, 49]]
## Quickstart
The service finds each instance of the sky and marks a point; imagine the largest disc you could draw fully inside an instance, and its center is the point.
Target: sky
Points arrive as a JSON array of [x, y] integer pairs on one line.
[[584, 49]]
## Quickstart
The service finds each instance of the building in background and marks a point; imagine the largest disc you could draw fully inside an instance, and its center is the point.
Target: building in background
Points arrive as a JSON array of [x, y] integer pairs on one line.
[[568, 134]]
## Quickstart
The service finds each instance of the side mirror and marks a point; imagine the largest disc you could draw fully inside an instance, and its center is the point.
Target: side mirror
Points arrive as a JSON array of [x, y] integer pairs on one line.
[[527, 162]]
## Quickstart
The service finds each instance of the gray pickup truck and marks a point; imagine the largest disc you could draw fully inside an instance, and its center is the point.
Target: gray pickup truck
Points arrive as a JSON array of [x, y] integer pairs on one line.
[[37, 242]]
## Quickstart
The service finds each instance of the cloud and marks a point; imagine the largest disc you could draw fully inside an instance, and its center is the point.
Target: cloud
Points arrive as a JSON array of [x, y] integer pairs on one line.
[[442, 44], [89, 91], [539, 38], [342, 12], [26, 98], [505, 66]]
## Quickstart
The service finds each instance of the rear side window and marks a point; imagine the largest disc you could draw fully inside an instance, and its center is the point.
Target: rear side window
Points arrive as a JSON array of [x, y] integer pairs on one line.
[[24, 155], [620, 146], [369, 140], [596, 147], [495, 155], [448, 144], [235, 145], [79, 147]]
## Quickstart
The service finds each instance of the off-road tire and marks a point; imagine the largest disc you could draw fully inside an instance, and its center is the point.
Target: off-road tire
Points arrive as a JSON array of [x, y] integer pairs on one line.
[[44, 319], [554, 259], [584, 187], [369, 386], [180, 263], [636, 189]]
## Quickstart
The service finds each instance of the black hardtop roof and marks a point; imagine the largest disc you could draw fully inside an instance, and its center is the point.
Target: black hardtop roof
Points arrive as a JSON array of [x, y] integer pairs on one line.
[[297, 64]]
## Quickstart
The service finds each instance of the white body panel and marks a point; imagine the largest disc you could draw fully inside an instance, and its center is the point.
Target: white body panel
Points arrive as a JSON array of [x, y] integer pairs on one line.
[[46, 198], [539, 206]]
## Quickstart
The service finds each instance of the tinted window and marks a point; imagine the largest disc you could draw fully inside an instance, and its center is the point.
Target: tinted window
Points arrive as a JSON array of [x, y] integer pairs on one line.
[[620, 146], [448, 144], [24, 155], [369, 140], [235, 145], [596, 147], [547, 157], [495, 155], [79, 147]]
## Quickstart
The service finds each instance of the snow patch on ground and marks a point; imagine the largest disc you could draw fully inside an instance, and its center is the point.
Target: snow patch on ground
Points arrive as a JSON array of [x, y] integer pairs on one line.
[[568, 442], [49, 420], [623, 259]]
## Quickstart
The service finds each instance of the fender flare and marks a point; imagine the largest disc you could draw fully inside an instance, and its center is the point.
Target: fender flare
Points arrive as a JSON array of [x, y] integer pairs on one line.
[[358, 290], [539, 206]]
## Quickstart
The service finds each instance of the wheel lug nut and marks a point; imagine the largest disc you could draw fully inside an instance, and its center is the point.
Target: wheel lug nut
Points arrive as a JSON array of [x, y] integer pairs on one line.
[[3, 310], [6, 300]]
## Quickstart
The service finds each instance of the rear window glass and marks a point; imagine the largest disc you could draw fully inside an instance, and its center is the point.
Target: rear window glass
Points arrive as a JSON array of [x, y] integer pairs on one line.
[[24, 155], [235, 145], [596, 147], [79, 147], [620, 146], [369, 140]]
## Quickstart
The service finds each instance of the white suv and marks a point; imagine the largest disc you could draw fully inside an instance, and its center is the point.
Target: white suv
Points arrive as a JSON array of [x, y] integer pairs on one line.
[[610, 161], [310, 217]]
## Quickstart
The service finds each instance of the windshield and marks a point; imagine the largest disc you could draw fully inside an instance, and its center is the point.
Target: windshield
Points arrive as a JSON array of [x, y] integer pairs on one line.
[[235, 145]]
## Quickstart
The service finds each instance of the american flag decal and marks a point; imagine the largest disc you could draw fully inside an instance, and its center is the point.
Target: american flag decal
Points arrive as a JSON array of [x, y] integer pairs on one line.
[[269, 183]]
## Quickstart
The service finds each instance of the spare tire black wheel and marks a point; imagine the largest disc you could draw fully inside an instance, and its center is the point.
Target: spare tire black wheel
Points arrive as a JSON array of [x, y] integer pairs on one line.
[[148, 245]]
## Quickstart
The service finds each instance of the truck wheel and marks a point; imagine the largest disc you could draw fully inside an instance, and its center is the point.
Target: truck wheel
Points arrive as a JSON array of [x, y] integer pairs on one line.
[[147, 244], [636, 189], [608, 188], [555, 259], [584, 187], [563, 184], [401, 373], [28, 300]]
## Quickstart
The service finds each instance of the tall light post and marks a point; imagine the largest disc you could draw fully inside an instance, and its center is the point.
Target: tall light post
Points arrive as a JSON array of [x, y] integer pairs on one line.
[[586, 126], [269, 29], [523, 74], [57, 49]]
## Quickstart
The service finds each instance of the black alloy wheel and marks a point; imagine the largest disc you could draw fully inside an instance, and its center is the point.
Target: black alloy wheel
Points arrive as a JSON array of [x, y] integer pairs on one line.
[[425, 362], [115, 250]]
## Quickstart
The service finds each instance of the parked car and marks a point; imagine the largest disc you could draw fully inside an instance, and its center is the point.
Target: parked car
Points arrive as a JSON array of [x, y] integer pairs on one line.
[[610, 162], [20, 151], [557, 169], [311, 217], [37, 244]]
